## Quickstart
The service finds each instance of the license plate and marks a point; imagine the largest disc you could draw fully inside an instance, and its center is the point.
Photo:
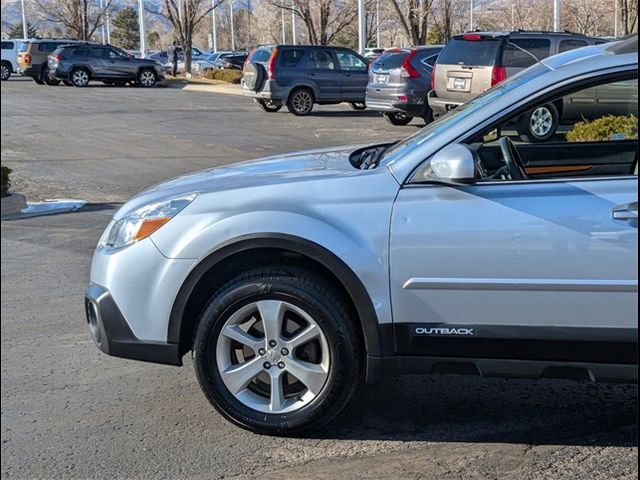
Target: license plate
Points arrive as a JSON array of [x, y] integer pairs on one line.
[[459, 83], [382, 78]]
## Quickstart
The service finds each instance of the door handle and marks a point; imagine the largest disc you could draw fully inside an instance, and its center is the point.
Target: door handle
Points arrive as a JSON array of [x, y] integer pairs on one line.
[[626, 212]]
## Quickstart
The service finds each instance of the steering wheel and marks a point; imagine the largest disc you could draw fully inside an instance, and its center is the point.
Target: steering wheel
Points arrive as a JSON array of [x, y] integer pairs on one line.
[[512, 159]]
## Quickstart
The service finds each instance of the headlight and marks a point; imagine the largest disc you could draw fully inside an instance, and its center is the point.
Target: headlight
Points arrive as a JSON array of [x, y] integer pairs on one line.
[[144, 221]]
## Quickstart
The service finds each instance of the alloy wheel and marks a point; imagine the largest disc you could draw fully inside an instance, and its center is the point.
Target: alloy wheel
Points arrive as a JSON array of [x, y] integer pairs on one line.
[[147, 78], [5, 72], [272, 356], [302, 102], [541, 121], [80, 78]]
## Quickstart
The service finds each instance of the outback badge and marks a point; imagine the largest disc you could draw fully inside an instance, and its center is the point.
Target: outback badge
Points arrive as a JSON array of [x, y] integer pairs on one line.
[[445, 331]]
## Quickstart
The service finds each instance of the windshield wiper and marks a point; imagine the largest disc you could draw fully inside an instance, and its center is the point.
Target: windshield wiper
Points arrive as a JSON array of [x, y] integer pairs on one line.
[[370, 158]]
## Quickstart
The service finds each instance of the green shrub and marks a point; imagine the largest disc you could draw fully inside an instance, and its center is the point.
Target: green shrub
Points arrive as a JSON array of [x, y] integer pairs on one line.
[[229, 76], [609, 127], [4, 180]]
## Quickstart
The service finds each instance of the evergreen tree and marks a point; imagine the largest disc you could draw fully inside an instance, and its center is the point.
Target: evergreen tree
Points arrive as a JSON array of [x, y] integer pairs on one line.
[[125, 32], [16, 30]]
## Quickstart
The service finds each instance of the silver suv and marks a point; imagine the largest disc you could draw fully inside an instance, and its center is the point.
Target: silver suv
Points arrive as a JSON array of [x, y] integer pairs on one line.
[[293, 278]]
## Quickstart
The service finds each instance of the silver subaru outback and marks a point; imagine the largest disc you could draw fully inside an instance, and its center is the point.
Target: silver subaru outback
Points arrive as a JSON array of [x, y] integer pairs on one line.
[[459, 249]]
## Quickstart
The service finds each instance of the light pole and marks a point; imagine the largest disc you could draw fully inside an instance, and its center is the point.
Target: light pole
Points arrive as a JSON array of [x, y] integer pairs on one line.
[[233, 35], [293, 24], [556, 15], [471, 16], [143, 40], [615, 18], [108, 25], [25, 31], [362, 27], [213, 25], [377, 23], [284, 27], [102, 26]]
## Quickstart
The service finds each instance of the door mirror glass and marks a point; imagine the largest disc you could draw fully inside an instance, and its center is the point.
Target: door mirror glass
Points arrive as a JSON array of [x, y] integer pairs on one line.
[[455, 163]]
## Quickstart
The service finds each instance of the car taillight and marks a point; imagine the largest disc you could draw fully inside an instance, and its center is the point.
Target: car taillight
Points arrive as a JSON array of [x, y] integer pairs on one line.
[[58, 57], [433, 78], [271, 66], [498, 74], [27, 58], [407, 70], [246, 60]]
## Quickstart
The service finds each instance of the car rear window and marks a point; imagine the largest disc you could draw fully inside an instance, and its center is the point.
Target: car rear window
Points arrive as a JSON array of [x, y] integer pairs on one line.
[[390, 60], [291, 57], [7, 45], [566, 45], [261, 55], [478, 52], [515, 52]]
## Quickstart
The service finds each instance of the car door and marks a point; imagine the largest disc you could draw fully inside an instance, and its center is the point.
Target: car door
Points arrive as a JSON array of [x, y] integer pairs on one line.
[[323, 72], [537, 269], [118, 63], [355, 76]]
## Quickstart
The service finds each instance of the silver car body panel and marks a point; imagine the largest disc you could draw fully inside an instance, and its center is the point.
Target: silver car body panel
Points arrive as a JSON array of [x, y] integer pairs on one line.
[[541, 253]]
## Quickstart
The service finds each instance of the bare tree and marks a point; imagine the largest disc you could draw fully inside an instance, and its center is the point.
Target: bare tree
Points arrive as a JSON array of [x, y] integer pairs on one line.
[[629, 15], [413, 16], [185, 16], [323, 19], [80, 18]]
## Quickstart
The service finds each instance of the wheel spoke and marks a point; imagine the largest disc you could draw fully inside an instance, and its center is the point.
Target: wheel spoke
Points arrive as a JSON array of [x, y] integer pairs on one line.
[[234, 332], [272, 315], [237, 377], [305, 336], [276, 399], [311, 375]]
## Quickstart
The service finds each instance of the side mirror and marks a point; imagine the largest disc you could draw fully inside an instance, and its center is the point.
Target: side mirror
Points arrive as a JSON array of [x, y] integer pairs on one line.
[[455, 163]]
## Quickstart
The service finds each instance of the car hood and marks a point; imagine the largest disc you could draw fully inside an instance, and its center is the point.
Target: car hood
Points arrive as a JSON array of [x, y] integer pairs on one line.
[[287, 168]]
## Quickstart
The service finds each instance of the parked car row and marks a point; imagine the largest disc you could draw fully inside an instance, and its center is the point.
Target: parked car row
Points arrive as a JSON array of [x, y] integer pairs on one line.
[[406, 83]]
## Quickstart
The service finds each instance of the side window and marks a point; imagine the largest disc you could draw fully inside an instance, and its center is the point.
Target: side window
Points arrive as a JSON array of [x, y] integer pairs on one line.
[[348, 61], [114, 54], [291, 57], [321, 60], [592, 131], [566, 45], [261, 55], [430, 61], [47, 46], [522, 53], [7, 45]]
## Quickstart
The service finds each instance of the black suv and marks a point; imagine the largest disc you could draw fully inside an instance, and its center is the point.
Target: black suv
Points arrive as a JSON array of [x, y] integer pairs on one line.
[[79, 64], [301, 76]]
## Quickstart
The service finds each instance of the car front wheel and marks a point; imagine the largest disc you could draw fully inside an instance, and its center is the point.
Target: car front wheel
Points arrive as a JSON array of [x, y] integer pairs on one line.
[[147, 78], [276, 351], [5, 71]]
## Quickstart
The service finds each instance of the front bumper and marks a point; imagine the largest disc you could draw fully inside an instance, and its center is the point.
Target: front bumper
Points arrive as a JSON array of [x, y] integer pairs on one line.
[[111, 333]]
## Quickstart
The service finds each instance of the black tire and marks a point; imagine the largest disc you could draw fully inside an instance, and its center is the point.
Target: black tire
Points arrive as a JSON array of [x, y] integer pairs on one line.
[[44, 76], [254, 75], [38, 81], [331, 314], [147, 78], [67, 83], [80, 77], [539, 124], [300, 102], [5, 71], [397, 118], [52, 82], [269, 105], [427, 115], [358, 106]]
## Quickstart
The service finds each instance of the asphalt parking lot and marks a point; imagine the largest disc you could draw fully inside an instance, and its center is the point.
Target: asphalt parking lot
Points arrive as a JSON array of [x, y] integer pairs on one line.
[[69, 411]]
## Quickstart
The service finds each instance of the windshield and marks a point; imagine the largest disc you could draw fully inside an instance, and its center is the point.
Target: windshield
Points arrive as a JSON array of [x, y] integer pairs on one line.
[[449, 120]]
